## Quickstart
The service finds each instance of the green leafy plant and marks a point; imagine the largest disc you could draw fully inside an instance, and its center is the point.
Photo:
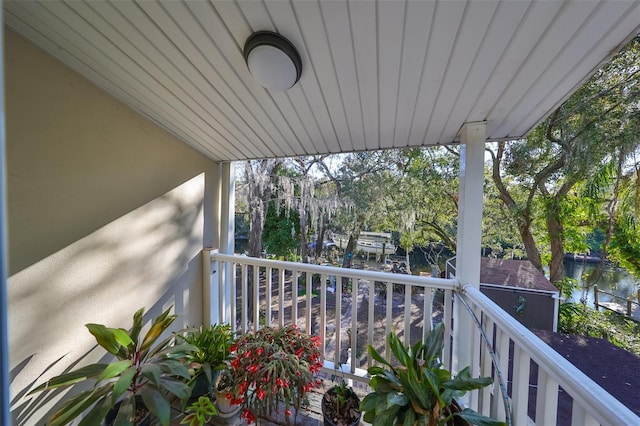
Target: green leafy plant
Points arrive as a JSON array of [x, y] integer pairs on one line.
[[341, 405], [199, 412], [272, 370], [419, 391], [212, 346], [143, 366]]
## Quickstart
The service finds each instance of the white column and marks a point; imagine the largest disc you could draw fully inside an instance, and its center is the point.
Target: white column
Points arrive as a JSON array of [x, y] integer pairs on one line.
[[211, 311], [227, 233], [469, 239]]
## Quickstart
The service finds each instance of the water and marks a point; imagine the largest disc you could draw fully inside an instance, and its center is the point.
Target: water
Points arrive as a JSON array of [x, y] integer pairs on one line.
[[614, 280]]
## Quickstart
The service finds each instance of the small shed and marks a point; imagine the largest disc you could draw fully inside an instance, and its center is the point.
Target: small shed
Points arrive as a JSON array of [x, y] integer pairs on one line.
[[520, 289]]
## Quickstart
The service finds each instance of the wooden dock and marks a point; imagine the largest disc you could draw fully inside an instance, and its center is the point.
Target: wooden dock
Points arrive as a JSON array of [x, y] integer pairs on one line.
[[627, 307]]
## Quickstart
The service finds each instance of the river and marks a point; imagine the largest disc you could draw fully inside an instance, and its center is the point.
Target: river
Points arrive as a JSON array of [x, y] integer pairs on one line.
[[614, 280]]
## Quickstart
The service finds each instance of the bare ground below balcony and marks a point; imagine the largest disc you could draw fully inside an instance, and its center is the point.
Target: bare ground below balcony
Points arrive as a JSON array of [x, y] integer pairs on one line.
[[378, 327]]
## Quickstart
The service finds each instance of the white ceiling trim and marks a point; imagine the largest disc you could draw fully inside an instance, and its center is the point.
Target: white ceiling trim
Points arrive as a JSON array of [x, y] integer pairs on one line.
[[376, 74]]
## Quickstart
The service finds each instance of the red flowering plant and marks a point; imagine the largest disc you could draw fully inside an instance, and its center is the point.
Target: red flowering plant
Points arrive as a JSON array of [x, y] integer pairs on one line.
[[272, 371]]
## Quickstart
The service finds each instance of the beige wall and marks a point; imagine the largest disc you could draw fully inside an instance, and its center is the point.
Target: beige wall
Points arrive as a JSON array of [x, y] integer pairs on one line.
[[106, 215]]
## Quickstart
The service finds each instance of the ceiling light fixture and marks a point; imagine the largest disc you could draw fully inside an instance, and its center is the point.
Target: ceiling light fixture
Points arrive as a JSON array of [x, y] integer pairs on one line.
[[272, 60]]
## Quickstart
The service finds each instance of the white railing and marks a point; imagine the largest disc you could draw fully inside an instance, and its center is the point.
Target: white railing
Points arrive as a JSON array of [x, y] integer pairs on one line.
[[321, 300]]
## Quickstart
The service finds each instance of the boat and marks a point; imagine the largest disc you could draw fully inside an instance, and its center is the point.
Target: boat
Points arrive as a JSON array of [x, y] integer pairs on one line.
[[369, 242], [584, 258]]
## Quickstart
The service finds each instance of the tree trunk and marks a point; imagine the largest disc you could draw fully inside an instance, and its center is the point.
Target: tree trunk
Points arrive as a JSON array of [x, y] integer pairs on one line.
[[530, 247], [320, 240], [555, 230]]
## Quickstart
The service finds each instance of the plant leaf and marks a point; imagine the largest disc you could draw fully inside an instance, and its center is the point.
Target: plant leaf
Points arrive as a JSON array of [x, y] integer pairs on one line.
[[176, 387], [478, 419], [376, 356], [137, 326], [98, 413], [151, 372], [79, 375], [126, 412], [156, 403], [159, 325], [112, 370], [76, 405], [123, 383], [106, 337]]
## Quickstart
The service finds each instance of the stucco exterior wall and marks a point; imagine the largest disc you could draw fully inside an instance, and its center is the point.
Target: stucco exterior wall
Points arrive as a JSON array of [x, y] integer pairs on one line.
[[107, 213]]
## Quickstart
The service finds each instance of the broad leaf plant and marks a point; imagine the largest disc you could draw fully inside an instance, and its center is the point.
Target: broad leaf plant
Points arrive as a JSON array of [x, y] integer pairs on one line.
[[144, 366]]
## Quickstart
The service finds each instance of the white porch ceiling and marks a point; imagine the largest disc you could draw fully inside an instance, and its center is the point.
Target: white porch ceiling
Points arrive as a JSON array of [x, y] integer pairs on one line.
[[376, 74]]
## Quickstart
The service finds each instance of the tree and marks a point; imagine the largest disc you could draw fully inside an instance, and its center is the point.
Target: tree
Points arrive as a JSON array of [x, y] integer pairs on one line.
[[569, 147], [259, 177], [281, 231]]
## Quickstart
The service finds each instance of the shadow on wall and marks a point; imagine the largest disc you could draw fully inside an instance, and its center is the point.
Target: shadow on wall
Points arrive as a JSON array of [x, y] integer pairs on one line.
[[38, 408], [148, 258]]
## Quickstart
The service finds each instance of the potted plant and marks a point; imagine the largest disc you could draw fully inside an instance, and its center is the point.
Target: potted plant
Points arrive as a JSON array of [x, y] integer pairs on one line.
[[145, 370], [419, 390], [272, 370], [226, 404], [341, 406], [212, 346], [199, 412]]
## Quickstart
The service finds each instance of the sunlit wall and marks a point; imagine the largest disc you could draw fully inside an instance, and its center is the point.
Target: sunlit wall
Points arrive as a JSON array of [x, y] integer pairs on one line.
[[107, 213]]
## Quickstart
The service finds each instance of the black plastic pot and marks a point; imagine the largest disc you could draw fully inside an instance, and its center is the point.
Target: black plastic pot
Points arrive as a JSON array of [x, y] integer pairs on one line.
[[327, 411]]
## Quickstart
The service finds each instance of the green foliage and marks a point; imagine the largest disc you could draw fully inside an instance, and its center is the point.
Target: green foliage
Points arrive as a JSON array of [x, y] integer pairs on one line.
[[199, 412], [280, 236], [420, 391], [212, 346], [341, 404], [585, 321], [567, 287], [145, 367], [625, 248]]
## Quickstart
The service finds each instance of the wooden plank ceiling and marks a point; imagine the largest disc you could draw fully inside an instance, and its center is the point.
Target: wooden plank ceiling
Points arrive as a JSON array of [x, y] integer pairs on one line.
[[376, 74]]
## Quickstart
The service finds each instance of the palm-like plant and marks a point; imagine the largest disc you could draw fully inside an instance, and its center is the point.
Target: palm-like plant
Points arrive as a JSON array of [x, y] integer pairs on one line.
[[142, 367], [419, 391]]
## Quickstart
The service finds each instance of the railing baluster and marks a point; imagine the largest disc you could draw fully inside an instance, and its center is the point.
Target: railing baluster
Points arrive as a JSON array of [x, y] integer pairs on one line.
[[268, 275], [477, 349], [243, 297], [579, 417], [371, 318], [309, 290], [221, 297], [294, 296], [389, 318], [355, 289], [427, 312], [338, 320], [521, 364], [232, 294], [486, 370], [281, 275], [446, 318], [323, 313], [256, 297], [407, 314], [547, 399], [502, 352]]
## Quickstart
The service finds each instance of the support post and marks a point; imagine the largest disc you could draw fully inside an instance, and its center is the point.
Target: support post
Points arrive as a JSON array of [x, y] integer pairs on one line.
[[469, 237], [227, 236]]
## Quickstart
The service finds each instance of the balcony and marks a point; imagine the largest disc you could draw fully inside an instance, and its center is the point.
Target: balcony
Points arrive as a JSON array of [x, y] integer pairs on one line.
[[533, 384]]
